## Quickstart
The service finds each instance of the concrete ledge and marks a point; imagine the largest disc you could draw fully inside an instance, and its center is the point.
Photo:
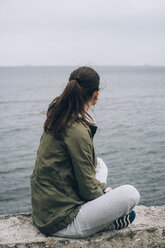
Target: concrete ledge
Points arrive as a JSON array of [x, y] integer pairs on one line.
[[147, 231]]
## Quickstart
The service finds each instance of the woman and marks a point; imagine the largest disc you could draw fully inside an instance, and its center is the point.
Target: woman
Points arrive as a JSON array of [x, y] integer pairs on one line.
[[70, 197]]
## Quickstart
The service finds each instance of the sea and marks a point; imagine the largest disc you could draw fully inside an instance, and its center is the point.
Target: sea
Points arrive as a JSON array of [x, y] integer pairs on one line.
[[130, 138]]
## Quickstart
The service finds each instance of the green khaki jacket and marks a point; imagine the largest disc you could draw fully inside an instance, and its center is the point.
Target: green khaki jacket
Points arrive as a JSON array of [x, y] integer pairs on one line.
[[63, 178]]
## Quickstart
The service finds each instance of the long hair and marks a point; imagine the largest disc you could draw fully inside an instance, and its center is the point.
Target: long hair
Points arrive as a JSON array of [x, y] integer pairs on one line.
[[69, 106]]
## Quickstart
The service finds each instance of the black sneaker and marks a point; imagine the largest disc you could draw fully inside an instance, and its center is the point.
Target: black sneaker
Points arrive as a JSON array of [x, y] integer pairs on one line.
[[124, 221]]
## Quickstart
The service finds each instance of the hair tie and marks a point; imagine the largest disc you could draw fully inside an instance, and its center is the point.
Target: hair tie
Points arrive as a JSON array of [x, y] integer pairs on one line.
[[78, 80]]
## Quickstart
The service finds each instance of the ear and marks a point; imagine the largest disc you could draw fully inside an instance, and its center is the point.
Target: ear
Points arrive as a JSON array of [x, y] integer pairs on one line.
[[95, 96]]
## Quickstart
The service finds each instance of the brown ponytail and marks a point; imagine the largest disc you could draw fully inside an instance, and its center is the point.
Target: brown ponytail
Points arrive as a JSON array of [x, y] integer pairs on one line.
[[69, 106]]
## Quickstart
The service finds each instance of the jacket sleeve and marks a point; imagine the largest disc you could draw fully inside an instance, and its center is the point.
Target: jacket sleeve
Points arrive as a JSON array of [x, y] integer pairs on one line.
[[81, 150]]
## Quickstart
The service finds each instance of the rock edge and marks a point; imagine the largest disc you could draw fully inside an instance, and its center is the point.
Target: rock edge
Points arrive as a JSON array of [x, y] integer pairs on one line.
[[148, 230]]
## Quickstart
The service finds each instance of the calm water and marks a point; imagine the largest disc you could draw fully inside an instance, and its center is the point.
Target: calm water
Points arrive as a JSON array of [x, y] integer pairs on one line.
[[131, 128]]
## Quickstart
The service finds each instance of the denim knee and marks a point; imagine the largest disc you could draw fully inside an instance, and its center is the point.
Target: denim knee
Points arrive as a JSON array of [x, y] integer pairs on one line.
[[131, 196]]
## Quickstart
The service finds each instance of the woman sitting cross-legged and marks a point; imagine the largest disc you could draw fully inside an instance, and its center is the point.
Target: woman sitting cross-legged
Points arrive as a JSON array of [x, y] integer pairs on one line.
[[70, 197]]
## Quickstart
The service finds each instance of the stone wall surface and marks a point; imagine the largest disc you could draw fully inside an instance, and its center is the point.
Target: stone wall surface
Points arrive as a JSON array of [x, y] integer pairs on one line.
[[148, 230]]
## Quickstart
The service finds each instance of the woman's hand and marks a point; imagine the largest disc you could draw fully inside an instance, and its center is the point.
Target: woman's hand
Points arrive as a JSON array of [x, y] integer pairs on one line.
[[106, 190]]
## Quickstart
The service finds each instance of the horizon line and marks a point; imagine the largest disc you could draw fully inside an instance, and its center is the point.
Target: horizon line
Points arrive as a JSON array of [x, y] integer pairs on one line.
[[28, 65]]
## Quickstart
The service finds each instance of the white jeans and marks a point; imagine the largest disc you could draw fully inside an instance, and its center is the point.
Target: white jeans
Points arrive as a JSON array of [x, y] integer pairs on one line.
[[96, 214]]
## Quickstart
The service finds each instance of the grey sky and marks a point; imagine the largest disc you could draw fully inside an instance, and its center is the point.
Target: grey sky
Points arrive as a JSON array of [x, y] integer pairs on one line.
[[76, 32]]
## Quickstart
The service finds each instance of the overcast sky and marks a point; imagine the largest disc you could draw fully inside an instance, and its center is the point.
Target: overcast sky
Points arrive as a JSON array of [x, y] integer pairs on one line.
[[82, 32]]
